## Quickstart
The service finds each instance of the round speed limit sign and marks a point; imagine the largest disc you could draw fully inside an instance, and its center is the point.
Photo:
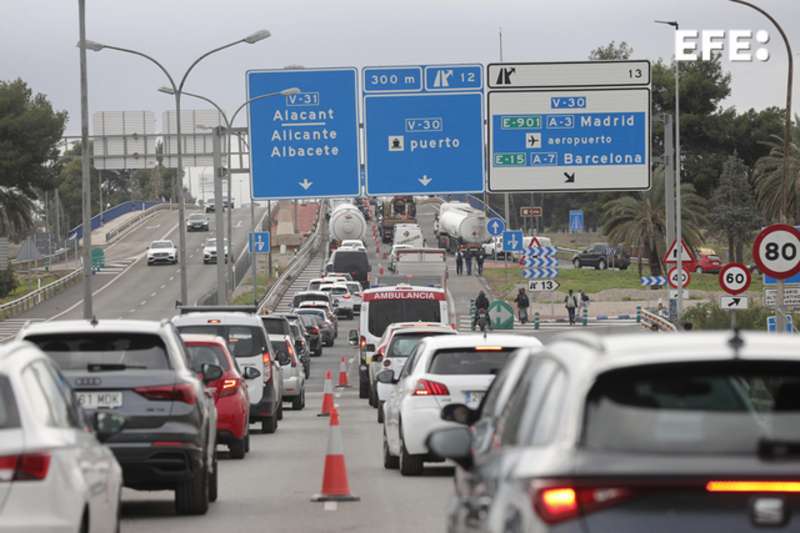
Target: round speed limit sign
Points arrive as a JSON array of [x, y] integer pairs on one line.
[[734, 278], [672, 277], [776, 251]]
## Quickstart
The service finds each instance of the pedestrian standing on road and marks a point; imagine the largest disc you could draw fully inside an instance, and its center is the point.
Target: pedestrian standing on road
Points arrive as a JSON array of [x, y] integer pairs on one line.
[[522, 305], [479, 260], [459, 262], [583, 302], [468, 260], [571, 303]]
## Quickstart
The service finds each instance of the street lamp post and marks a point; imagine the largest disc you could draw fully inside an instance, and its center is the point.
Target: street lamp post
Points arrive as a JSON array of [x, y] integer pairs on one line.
[[229, 127], [86, 163], [177, 90]]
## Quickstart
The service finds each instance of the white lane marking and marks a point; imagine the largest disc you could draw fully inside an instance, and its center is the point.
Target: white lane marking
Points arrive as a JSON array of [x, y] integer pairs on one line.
[[143, 302], [238, 224], [152, 295], [163, 286], [330, 506], [171, 278], [132, 311], [156, 226]]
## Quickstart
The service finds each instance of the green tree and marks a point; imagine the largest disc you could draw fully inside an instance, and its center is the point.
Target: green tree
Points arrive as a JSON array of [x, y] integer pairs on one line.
[[612, 52], [639, 220], [769, 181], [734, 214]]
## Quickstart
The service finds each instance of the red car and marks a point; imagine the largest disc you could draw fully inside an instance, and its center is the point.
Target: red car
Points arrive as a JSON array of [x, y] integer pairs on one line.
[[704, 262], [230, 391]]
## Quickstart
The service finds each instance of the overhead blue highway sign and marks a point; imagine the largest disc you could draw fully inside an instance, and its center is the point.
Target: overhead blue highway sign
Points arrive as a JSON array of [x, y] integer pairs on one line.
[[306, 144], [495, 226], [258, 242], [423, 129], [512, 241]]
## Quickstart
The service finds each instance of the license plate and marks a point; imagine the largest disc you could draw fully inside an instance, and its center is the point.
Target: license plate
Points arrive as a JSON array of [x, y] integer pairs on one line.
[[99, 400], [473, 398]]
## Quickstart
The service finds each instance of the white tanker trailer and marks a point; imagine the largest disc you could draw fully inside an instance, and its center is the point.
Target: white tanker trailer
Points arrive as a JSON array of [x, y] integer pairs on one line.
[[461, 225], [346, 222]]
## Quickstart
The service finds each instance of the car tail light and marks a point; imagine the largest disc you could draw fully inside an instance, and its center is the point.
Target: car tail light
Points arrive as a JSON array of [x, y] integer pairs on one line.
[[314, 330], [346, 296], [229, 387], [24, 467], [559, 503], [180, 392], [387, 363], [426, 387], [362, 343], [378, 357], [267, 366]]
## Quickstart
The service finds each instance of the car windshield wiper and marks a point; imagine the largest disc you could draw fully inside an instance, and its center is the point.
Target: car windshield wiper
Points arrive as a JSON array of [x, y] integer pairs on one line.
[[778, 449], [111, 367]]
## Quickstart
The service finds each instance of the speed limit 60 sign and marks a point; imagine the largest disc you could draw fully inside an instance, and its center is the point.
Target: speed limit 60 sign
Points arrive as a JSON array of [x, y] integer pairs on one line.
[[672, 277], [776, 251], [734, 278]]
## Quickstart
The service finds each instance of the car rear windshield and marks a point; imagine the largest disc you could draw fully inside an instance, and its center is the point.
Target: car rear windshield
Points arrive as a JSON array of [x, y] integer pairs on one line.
[[243, 341], [697, 408], [300, 298], [76, 351], [317, 314], [471, 361], [201, 354], [385, 312], [347, 261], [308, 320], [9, 416], [403, 345], [314, 285], [354, 287], [276, 326]]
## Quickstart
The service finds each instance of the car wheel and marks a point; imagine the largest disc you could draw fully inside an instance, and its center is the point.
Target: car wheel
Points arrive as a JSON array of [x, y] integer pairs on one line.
[[373, 396], [297, 402], [213, 489], [269, 424], [237, 449], [363, 386], [380, 411], [191, 497], [601, 265], [247, 440], [576, 263], [85, 522], [390, 462], [410, 465]]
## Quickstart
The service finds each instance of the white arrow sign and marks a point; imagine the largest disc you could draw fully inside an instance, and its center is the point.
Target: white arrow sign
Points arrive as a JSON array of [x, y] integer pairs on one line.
[[733, 302], [425, 180], [544, 285], [305, 184], [500, 315]]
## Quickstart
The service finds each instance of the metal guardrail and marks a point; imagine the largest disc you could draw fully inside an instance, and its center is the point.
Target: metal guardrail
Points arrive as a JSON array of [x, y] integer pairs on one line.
[[36, 297], [304, 255], [650, 319], [116, 232]]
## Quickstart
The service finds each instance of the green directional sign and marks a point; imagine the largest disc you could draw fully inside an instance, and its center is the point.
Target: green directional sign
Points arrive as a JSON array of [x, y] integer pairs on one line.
[[98, 258], [501, 314]]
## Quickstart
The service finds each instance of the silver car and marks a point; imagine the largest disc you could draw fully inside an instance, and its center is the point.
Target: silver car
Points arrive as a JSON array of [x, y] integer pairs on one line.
[[294, 376]]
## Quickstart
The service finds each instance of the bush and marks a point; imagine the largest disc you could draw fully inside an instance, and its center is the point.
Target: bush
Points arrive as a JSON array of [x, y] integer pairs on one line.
[[8, 282], [710, 316]]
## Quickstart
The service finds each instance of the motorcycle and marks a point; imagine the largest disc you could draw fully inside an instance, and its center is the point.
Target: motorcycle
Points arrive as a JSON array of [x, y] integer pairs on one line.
[[482, 320]]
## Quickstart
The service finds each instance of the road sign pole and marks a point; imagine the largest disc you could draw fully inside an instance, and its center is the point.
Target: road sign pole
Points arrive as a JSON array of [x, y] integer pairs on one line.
[[678, 213], [86, 180], [219, 217]]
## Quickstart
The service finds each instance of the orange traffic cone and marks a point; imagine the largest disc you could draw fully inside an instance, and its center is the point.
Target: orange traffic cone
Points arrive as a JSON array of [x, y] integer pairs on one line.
[[334, 478], [343, 373], [327, 394]]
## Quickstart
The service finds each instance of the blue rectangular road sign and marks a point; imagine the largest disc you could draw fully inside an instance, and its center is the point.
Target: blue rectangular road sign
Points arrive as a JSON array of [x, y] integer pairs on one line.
[[772, 324], [513, 241], [306, 144], [575, 220], [258, 242], [423, 129]]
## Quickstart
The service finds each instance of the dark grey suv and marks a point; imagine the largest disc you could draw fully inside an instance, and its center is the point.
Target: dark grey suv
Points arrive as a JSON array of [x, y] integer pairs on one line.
[[139, 369], [601, 256]]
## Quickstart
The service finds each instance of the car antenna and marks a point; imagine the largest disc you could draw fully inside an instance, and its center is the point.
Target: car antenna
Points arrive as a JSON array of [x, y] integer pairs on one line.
[[93, 321], [736, 342]]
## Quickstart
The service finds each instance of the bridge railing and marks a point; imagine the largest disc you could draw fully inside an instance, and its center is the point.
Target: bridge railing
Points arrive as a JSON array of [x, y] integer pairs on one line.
[[122, 228], [650, 319], [36, 297]]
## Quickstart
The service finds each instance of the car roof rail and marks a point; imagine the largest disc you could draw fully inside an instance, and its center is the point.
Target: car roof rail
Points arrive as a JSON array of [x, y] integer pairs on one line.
[[589, 340], [184, 309]]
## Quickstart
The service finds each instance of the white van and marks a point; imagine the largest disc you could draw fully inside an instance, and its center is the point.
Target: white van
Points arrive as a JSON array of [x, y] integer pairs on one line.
[[386, 305], [409, 234]]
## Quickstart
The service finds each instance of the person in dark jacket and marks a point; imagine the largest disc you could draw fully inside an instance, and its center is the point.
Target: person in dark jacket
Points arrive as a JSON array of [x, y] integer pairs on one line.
[[468, 261], [459, 262], [479, 260], [522, 305], [481, 302]]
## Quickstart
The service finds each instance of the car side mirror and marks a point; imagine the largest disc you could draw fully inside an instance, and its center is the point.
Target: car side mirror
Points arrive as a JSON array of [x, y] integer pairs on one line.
[[352, 337], [283, 358], [251, 373], [386, 377], [453, 444], [460, 414], [107, 424], [210, 372]]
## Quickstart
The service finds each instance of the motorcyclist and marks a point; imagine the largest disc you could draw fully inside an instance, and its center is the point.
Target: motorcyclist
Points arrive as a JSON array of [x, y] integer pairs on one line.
[[481, 303], [522, 305]]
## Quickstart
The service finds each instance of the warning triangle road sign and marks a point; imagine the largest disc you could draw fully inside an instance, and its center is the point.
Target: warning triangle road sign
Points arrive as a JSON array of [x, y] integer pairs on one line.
[[672, 253]]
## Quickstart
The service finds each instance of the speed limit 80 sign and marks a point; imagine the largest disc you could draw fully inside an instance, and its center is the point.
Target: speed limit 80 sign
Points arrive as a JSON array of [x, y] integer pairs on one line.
[[734, 278], [776, 251]]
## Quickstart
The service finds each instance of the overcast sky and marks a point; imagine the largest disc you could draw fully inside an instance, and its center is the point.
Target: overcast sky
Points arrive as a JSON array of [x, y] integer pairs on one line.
[[37, 41]]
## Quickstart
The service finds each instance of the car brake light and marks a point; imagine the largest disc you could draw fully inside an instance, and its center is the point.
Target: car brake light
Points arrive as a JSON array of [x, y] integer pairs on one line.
[[346, 296], [426, 387], [180, 392], [753, 486], [362, 343], [24, 467], [488, 348], [229, 387], [315, 330], [267, 366], [560, 503]]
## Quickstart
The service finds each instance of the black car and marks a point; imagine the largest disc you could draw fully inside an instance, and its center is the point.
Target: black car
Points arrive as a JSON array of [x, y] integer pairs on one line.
[[353, 262], [601, 256], [140, 370], [197, 222]]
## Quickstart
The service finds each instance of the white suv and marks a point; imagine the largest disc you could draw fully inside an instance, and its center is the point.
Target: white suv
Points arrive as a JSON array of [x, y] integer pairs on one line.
[[162, 252], [210, 251]]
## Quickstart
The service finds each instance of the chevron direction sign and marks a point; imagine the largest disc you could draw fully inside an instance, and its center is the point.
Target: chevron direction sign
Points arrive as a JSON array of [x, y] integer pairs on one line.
[[541, 251], [540, 273], [653, 281], [538, 262]]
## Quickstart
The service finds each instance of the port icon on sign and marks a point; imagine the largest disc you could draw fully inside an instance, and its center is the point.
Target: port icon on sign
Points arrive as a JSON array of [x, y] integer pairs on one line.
[[396, 143]]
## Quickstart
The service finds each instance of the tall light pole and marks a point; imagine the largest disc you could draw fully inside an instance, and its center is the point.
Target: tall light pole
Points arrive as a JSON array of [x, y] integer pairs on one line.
[[86, 163], [177, 90], [229, 127], [678, 212], [787, 133]]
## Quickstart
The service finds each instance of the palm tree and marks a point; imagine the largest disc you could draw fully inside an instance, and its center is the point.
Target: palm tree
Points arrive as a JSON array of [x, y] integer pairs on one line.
[[768, 177], [638, 220], [16, 213]]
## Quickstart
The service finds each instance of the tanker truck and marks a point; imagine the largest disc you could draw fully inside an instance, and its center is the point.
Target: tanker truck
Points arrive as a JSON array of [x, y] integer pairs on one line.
[[346, 222], [461, 225]]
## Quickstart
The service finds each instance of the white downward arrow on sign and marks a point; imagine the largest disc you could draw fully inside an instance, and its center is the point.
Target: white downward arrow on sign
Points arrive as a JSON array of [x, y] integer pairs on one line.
[[305, 184], [425, 180]]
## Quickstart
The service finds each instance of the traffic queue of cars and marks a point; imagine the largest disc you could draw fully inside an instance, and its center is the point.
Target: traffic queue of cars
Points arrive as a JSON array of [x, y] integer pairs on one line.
[[90, 406]]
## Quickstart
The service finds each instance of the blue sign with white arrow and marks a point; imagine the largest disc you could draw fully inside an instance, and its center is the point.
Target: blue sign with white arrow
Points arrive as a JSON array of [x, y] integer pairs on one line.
[[541, 251], [772, 324], [537, 262], [512, 241], [495, 226], [423, 129], [259, 242], [304, 145], [540, 273], [653, 281], [575, 220]]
